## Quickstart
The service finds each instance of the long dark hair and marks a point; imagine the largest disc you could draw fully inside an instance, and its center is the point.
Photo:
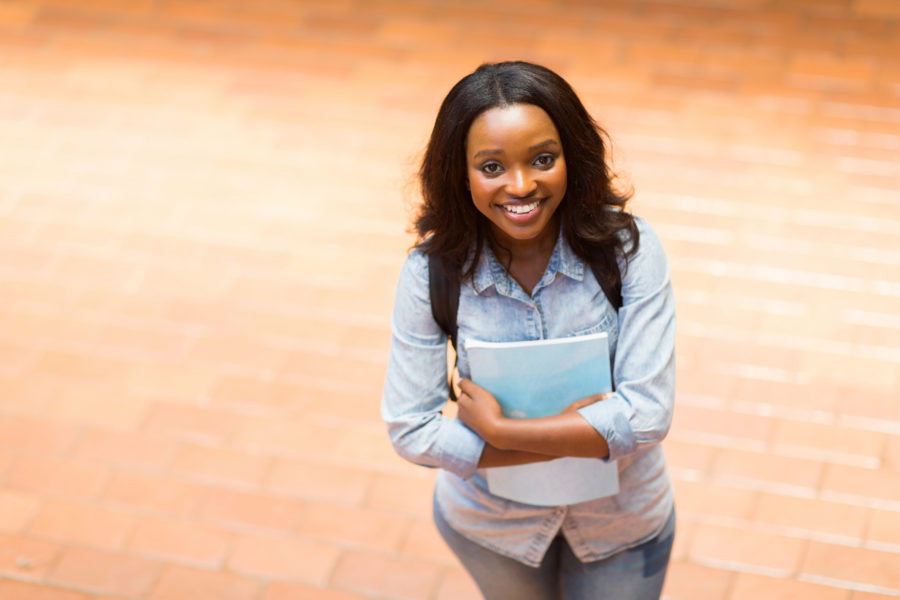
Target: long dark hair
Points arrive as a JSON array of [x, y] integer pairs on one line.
[[449, 225]]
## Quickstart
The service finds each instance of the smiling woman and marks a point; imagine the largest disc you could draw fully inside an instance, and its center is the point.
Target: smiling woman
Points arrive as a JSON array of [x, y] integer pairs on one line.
[[519, 211]]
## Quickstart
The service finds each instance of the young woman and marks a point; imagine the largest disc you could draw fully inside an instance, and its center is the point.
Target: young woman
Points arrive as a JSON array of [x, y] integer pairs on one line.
[[518, 203]]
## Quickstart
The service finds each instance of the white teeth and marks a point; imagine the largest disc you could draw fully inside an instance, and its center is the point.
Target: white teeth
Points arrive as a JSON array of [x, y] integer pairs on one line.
[[521, 209]]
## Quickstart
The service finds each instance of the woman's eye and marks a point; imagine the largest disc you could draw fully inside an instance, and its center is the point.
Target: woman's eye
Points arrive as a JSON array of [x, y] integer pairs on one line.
[[491, 168], [545, 160]]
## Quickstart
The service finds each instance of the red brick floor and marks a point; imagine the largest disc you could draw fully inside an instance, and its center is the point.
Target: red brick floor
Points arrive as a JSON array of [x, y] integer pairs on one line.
[[202, 215]]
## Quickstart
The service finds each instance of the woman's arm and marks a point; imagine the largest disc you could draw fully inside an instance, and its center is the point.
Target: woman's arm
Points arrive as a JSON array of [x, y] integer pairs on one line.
[[639, 413], [565, 434], [415, 386]]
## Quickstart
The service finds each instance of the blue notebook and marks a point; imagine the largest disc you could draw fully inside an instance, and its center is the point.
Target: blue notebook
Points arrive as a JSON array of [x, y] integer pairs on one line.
[[539, 378]]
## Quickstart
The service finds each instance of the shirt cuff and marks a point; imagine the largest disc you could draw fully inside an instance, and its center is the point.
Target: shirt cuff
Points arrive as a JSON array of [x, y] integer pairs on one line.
[[609, 418], [461, 449]]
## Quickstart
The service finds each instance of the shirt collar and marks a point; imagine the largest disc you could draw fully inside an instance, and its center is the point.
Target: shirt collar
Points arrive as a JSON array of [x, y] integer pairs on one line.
[[490, 272]]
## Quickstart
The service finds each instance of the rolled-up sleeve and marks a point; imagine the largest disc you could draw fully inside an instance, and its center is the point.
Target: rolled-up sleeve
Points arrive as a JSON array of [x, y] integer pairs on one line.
[[640, 411], [415, 388]]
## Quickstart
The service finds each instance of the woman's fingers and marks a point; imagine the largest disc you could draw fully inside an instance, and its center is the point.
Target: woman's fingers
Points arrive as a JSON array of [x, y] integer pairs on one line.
[[467, 386], [587, 401]]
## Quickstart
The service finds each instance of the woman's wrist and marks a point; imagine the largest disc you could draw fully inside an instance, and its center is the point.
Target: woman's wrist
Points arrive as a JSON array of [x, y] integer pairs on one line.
[[499, 433]]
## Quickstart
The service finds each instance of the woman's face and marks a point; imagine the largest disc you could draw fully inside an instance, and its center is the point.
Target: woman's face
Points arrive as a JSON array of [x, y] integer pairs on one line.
[[516, 172]]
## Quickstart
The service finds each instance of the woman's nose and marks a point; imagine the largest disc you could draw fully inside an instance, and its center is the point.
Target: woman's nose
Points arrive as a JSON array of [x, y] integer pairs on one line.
[[521, 184]]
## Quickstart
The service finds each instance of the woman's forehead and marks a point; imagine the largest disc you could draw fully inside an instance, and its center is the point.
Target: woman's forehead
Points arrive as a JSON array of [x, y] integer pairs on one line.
[[511, 124]]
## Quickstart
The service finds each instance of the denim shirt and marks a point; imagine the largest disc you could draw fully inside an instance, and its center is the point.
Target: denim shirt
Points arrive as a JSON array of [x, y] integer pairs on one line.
[[567, 301]]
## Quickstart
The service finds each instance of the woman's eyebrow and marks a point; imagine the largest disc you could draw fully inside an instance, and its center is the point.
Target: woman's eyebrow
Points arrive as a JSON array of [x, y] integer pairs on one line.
[[495, 151], [489, 152], [545, 143]]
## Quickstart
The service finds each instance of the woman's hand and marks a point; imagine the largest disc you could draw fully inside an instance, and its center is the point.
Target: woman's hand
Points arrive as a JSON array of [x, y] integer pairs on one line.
[[586, 402], [479, 410]]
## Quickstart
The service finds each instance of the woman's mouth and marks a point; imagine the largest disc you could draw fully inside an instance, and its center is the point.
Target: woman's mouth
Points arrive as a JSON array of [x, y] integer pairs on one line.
[[521, 209]]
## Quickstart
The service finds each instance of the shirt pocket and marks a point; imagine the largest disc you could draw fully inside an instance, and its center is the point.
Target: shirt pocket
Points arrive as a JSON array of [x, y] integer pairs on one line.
[[607, 322]]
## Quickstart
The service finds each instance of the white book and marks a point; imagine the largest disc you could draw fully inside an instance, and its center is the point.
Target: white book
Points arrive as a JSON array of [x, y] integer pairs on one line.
[[538, 378]]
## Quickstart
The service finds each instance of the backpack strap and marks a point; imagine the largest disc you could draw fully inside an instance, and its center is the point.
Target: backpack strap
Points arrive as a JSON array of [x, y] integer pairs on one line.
[[606, 272], [444, 293]]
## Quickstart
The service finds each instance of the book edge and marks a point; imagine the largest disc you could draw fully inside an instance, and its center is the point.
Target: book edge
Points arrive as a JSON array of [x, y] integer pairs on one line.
[[476, 343]]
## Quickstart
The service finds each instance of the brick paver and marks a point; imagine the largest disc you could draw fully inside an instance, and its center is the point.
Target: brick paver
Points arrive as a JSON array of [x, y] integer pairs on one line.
[[203, 211]]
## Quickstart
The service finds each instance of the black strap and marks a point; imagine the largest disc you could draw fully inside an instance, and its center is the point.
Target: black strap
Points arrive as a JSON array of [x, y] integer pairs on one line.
[[444, 293], [606, 272]]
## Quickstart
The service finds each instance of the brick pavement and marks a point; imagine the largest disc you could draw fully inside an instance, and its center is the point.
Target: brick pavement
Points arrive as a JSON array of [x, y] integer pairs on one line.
[[202, 215]]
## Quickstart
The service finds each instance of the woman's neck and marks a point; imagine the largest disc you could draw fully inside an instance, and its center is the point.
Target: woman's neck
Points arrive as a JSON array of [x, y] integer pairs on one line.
[[526, 260], [508, 249]]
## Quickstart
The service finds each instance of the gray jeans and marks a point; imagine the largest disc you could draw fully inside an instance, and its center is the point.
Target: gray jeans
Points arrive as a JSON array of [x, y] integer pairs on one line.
[[634, 574]]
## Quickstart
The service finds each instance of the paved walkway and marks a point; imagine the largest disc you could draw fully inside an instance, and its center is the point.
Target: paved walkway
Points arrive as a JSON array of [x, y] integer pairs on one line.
[[202, 215]]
